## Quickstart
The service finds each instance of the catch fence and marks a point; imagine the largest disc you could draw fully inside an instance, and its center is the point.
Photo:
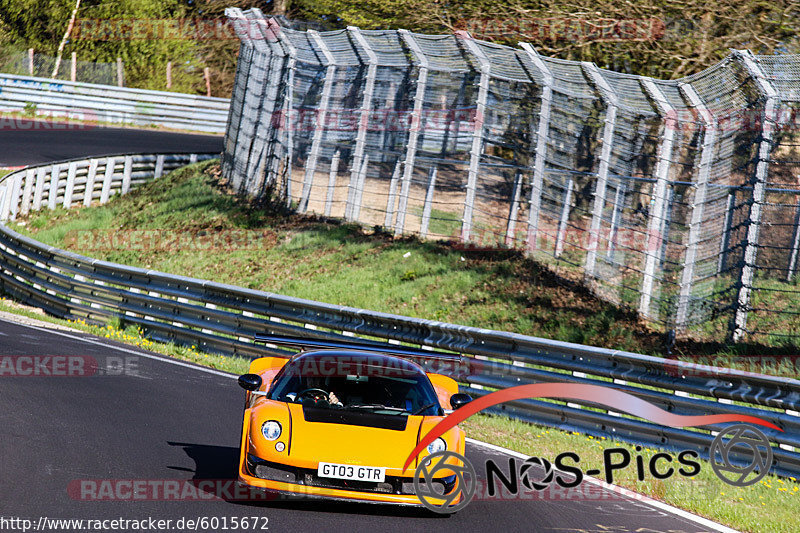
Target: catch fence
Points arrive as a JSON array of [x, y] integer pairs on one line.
[[678, 198]]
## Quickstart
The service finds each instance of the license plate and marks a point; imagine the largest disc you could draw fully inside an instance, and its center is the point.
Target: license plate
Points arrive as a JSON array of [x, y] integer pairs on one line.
[[354, 472]]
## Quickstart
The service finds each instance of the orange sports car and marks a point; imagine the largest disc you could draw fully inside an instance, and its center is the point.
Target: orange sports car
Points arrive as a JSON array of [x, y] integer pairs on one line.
[[339, 419]]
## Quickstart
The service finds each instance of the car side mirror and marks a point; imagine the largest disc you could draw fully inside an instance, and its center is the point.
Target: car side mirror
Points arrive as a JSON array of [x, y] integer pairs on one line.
[[460, 400], [251, 382]]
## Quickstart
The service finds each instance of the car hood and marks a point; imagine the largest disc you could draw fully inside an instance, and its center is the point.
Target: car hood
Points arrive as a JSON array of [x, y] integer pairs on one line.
[[347, 437]]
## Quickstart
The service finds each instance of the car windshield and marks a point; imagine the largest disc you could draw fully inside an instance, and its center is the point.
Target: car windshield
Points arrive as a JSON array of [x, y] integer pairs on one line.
[[372, 385]]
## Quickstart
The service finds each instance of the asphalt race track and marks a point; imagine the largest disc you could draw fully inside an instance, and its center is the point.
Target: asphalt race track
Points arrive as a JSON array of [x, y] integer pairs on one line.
[[141, 417], [29, 142]]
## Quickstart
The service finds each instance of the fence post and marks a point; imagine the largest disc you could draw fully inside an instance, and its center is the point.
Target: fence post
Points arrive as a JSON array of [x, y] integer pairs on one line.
[[739, 323], [725, 241], [795, 243], [619, 199], [387, 222], [698, 203], [243, 66], [610, 122], [120, 73], [288, 102], [655, 237], [511, 227], [477, 133], [426, 209], [540, 156], [562, 223], [169, 74], [357, 180], [260, 165], [73, 67], [415, 126], [30, 61], [332, 182], [319, 127], [207, 77]]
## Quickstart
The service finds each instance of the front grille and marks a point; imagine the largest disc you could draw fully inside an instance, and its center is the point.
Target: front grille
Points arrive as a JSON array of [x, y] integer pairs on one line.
[[306, 476]]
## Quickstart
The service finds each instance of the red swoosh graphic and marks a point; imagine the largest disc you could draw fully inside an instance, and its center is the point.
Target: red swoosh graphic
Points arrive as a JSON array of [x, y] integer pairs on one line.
[[615, 399]]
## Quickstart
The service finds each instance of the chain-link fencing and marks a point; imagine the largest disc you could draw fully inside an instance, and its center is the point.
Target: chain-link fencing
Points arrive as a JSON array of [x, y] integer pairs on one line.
[[679, 199], [42, 66]]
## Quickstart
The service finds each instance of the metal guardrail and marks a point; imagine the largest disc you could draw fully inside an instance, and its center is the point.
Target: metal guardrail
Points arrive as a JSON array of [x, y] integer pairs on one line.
[[106, 103], [224, 319], [82, 181]]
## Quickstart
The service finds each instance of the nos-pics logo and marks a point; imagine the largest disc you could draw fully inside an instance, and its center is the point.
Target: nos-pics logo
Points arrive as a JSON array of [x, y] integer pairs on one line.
[[445, 482]]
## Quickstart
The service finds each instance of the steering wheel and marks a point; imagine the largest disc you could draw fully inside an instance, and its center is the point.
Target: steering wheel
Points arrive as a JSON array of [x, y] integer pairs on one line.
[[318, 395]]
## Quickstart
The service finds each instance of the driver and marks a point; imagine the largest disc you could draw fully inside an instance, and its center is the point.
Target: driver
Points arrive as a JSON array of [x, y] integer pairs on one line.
[[316, 382]]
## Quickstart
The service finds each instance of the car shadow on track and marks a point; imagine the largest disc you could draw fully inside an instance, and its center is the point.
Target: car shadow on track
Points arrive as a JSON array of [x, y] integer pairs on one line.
[[220, 463]]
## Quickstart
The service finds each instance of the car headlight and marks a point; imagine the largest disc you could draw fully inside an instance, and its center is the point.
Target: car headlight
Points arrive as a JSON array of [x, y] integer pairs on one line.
[[439, 445], [271, 429]]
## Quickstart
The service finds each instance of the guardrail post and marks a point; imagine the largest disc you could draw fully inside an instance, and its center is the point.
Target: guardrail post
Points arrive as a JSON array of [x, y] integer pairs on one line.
[[610, 122], [319, 128], [70, 187], [88, 191], [477, 133], [562, 223], [414, 128], [356, 176], [540, 151], [27, 191], [426, 209], [38, 193], [698, 203], [795, 243], [655, 236], [511, 227], [126, 172], [739, 323], [109, 174], [52, 195], [387, 221], [159, 171], [332, 182]]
